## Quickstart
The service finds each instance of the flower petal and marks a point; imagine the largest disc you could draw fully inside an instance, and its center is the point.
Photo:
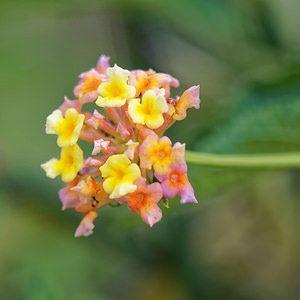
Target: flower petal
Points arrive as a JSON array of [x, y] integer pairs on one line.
[[69, 198], [102, 64], [51, 168], [86, 226], [70, 104], [190, 98]]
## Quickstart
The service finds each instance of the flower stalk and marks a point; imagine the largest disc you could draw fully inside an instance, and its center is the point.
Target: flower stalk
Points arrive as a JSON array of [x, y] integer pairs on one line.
[[276, 160]]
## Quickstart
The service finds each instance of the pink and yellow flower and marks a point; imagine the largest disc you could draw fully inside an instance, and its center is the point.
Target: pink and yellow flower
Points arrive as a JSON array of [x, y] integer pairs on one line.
[[86, 90], [144, 201], [161, 80], [150, 80], [67, 128], [119, 175], [177, 183], [159, 154], [116, 92], [150, 110], [138, 79]]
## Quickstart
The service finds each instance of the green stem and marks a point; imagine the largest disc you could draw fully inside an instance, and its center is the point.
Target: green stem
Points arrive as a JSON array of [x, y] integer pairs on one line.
[[279, 160]]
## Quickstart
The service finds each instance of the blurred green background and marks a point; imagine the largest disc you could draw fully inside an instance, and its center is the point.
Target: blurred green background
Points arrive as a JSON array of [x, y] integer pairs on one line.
[[242, 240]]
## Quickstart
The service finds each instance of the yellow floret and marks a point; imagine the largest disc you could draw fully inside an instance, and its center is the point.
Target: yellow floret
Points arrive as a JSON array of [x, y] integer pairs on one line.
[[119, 175], [71, 161], [150, 111], [117, 91], [67, 128]]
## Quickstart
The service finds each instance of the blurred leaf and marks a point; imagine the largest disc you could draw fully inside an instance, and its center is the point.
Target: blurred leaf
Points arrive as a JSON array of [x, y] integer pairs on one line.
[[261, 122]]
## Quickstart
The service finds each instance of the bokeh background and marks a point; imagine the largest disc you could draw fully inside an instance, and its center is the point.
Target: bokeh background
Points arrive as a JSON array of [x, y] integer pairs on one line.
[[242, 240]]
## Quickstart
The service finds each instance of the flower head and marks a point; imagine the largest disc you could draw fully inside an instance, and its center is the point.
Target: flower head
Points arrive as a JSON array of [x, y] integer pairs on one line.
[[130, 160]]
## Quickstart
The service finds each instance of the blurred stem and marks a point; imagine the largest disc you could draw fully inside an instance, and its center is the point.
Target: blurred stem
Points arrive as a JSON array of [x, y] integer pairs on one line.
[[280, 160]]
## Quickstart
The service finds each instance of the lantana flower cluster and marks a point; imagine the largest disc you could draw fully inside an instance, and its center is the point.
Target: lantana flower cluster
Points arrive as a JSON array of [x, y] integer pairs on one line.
[[131, 161]]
